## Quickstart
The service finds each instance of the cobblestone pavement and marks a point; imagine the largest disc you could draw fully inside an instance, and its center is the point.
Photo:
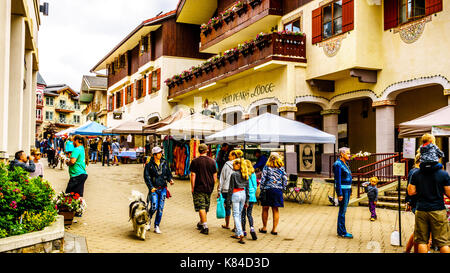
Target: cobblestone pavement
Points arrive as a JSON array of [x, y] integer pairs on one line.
[[303, 228]]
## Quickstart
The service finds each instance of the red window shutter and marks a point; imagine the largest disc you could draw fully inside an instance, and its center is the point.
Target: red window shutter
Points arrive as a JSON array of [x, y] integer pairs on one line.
[[158, 75], [111, 107], [348, 15], [316, 25], [390, 14], [149, 79], [432, 6]]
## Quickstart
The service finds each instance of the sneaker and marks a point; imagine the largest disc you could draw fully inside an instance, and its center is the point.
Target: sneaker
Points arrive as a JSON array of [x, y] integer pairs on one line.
[[253, 233], [157, 230], [199, 226], [346, 236], [204, 231]]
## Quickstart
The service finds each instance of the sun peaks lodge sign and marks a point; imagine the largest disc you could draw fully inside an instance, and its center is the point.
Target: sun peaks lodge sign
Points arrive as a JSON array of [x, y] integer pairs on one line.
[[244, 95]]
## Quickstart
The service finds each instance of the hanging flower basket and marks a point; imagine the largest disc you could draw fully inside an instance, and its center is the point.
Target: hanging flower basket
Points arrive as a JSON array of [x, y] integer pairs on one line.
[[254, 3]]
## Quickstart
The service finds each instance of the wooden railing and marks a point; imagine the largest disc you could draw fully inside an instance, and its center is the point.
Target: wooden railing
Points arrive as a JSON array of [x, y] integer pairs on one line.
[[274, 46], [238, 19]]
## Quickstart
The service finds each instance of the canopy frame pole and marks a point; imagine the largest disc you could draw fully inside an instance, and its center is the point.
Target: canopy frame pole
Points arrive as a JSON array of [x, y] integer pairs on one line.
[[285, 161]]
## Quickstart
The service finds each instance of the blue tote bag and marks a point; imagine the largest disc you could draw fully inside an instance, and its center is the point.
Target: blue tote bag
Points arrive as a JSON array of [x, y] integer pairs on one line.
[[220, 211]]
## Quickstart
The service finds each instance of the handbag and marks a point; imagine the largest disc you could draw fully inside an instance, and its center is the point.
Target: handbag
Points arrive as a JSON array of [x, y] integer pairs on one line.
[[220, 211], [263, 196]]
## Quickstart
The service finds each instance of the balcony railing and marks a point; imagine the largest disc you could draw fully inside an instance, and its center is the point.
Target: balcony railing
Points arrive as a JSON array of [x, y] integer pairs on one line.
[[64, 122], [64, 108], [274, 46], [237, 18]]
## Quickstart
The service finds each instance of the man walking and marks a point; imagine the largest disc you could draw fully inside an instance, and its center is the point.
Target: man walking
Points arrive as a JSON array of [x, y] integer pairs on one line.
[[430, 184], [203, 177], [106, 150]]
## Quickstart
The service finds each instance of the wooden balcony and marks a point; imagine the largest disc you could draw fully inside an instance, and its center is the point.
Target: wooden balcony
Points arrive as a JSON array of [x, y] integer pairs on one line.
[[255, 17], [273, 47], [64, 109]]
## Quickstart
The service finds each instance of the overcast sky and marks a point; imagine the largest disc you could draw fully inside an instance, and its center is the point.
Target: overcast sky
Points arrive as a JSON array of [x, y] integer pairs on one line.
[[79, 33]]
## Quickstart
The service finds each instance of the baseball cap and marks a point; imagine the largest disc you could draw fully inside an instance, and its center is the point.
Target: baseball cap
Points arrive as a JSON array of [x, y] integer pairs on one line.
[[156, 150]]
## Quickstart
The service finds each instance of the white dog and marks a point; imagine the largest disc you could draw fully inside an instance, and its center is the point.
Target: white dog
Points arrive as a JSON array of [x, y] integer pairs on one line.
[[138, 214]]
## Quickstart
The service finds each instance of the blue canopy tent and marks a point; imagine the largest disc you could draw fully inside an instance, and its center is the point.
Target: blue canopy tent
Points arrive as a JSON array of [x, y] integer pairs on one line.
[[90, 129]]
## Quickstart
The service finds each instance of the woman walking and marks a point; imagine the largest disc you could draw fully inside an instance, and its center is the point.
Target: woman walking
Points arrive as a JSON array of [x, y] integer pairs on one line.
[[247, 211], [273, 182], [156, 175], [343, 187], [224, 182], [238, 195], [115, 152], [77, 167]]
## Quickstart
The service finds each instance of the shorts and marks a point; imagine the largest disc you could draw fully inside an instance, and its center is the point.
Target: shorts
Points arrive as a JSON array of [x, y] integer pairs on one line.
[[435, 222], [201, 201]]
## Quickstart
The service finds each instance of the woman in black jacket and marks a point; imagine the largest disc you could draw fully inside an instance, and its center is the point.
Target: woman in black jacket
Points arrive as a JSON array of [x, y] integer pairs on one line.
[[156, 175]]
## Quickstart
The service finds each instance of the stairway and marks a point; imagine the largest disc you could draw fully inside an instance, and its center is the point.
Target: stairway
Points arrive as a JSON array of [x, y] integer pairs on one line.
[[389, 199]]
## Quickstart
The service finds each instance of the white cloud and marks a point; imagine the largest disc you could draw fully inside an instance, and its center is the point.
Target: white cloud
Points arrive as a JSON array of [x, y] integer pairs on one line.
[[79, 33]]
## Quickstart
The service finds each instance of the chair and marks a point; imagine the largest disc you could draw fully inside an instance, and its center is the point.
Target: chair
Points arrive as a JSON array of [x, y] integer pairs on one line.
[[291, 191], [306, 190]]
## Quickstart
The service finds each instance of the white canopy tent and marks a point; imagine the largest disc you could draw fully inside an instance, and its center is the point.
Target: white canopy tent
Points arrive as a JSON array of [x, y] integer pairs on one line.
[[197, 125], [437, 123], [127, 127], [269, 128]]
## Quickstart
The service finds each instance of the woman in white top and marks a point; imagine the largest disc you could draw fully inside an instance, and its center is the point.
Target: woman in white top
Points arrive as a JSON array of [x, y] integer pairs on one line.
[[39, 171]]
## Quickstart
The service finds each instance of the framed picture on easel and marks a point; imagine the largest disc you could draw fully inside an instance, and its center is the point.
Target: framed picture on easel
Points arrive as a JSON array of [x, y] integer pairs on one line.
[[307, 157]]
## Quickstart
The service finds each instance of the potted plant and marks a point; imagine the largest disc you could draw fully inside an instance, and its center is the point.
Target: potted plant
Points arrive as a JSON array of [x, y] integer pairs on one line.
[[240, 7], [186, 75], [218, 61], [169, 83], [261, 40], [69, 204], [247, 48], [228, 16], [207, 66], [254, 3], [232, 54], [216, 22], [205, 29], [197, 71]]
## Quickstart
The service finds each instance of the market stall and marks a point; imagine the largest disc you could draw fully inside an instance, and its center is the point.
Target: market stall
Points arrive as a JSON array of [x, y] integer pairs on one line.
[[183, 138], [90, 129], [131, 139]]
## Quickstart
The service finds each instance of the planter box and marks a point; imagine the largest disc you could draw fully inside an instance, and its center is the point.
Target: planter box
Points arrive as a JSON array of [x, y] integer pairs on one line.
[[49, 240], [68, 217]]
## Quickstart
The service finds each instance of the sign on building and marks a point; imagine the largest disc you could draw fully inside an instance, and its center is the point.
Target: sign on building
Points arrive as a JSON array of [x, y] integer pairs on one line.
[[307, 157]]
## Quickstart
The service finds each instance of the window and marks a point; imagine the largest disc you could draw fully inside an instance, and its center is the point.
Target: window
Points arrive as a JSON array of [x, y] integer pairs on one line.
[[140, 88], [48, 115], [144, 44], [39, 99], [49, 101], [76, 105], [62, 118], [129, 94], [39, 114], [410, 10], [62, 103], [76, 119], [110, 103], [293, 26], [119, 99], [332, 19], [154, 81]]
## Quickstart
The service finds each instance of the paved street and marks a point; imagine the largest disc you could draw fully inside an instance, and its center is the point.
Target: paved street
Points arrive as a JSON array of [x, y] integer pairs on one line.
[[305, 228]]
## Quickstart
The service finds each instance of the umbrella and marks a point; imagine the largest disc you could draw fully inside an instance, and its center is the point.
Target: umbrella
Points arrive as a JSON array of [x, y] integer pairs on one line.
[[269, 128], [196, 124], [437, 122], [90, 129], [127, 127]]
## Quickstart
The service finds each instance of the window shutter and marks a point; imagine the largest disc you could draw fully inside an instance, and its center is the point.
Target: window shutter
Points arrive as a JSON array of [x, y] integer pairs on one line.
[[158, 82], [124, 96], [348, 15], [317, 25], [390, 14], [144, 88], [432, 6], [149, 84], [132, 92]]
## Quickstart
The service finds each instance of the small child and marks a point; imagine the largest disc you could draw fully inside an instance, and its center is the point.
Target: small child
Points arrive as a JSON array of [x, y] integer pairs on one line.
[[429, 152], [372, 193]]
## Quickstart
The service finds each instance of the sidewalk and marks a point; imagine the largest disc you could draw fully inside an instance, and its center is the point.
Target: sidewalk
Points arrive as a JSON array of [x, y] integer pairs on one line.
[[303, 228]]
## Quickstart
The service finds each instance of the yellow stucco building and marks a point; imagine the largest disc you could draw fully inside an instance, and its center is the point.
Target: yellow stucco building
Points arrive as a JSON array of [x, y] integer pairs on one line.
[[355, 69]]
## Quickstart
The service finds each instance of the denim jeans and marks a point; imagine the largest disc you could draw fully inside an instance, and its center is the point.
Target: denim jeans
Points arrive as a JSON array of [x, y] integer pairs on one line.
[[156, 201], [342, 210], [247, 213], [105, 157], [238, 200], [372, 208], [93, 155]]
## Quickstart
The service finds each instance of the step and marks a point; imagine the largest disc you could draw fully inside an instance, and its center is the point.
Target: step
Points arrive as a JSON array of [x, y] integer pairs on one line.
[[394, 193], [391, 199], [385, 205]]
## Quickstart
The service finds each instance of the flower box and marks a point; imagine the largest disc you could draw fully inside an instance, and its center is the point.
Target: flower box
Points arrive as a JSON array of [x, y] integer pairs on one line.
[[254, 3], [247, 49], [241, 9], [217, 25], [197, 73], [361, 158], [219, 62], [207, 67], [206, 31], [232, 57]]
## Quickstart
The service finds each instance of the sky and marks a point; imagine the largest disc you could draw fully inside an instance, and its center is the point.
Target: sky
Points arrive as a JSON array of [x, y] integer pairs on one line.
[[77, 34]]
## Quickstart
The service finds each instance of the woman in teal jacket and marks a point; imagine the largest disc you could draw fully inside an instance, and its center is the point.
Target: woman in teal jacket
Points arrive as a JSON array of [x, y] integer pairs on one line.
[[247, 211]]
